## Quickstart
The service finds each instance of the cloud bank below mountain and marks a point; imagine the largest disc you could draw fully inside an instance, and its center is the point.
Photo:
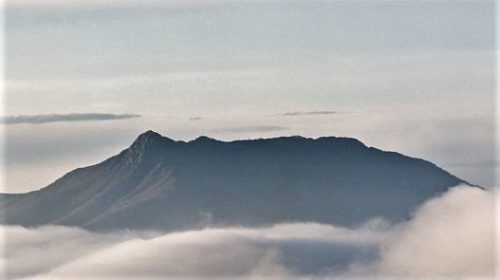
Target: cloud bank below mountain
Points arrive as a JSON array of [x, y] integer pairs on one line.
[[452, 235]]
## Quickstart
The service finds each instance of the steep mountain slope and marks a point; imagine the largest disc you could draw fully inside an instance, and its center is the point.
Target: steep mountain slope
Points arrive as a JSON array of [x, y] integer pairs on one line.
[[161, 183]]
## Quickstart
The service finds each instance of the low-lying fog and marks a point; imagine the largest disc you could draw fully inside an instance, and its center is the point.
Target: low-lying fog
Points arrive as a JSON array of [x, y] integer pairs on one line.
[[452, 235]]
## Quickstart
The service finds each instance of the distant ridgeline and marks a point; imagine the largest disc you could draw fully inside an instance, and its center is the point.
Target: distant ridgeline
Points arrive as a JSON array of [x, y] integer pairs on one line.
[[159, 183]]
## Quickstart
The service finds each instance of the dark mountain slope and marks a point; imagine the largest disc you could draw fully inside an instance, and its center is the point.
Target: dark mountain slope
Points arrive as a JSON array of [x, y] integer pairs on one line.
[[161, 183]]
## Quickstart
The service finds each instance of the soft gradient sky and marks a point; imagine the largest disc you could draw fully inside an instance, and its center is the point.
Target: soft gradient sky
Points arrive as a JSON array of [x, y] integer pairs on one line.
[[417, 77]]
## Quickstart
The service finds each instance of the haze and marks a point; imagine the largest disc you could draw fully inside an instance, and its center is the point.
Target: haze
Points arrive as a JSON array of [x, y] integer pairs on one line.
[[416, 77]]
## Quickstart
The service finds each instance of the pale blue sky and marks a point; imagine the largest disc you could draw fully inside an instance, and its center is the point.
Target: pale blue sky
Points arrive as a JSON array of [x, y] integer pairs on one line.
[[412, 76]]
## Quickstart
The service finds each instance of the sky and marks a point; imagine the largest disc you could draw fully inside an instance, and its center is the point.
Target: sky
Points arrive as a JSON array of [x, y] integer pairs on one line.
[[84, 78]]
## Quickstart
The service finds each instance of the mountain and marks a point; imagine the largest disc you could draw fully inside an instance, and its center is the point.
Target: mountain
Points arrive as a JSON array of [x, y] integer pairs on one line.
[[159, 183]]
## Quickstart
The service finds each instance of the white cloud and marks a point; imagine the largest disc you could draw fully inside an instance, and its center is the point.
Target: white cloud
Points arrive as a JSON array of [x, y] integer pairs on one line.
[[33, 251], [452, 235]]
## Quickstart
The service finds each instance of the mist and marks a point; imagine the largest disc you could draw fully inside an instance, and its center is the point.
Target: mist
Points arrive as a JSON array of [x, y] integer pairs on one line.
[[449, 236]]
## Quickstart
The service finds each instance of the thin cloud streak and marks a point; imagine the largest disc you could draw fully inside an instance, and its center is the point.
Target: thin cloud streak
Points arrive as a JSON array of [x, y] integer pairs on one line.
[[93, 4], [309, 113], [75, 117]]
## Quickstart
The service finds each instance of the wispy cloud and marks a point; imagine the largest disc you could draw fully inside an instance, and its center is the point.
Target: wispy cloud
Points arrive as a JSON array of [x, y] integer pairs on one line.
[[75, 117], [195, 119], [89, 5], [255, 128], [309, 113]]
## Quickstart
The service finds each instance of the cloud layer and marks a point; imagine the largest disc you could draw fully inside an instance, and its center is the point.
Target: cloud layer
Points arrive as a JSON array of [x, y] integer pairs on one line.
[[75, 117], [452, 235]]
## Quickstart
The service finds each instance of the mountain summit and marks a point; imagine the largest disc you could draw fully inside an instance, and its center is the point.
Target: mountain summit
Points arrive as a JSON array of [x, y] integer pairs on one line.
[[148, 137], [149, 140], [159, 183]]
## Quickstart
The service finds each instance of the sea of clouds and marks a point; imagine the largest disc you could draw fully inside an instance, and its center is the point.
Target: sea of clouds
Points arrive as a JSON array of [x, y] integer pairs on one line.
[[451, 236]]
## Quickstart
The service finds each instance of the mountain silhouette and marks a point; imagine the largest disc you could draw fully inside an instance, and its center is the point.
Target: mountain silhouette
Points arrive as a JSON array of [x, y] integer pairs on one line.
[[159, 183]]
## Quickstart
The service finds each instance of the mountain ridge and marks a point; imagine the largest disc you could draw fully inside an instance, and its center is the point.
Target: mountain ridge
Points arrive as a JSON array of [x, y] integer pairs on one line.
[[158, 182]]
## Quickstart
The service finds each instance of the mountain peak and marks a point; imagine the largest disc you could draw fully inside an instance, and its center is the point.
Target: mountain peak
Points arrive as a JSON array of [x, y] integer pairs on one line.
[[148, 139], [147, 135]]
